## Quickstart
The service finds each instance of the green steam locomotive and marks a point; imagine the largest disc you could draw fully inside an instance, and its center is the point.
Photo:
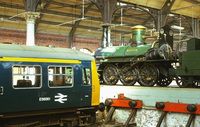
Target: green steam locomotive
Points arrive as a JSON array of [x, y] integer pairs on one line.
[[150, 64], [147, 64]]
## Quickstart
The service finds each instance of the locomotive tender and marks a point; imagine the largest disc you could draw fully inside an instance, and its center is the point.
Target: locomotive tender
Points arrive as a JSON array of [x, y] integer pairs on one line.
[[147, 64], [188, 72], [45, 80]]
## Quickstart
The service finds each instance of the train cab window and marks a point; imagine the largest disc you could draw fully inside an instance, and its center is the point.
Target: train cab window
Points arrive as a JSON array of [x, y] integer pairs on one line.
[[60, 76], [86, 76], [25, 76]]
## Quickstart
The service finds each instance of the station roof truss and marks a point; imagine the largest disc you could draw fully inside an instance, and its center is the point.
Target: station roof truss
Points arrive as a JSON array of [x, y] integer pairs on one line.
[[66, 16]]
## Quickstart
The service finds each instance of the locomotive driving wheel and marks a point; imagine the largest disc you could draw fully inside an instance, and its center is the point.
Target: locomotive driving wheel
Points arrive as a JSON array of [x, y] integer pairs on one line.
[[182, 82], [164, 81], [110, 74], [148, 75], [128, 75]]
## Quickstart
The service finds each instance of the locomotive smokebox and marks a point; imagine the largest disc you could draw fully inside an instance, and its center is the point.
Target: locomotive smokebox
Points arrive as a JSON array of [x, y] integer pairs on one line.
[[137, 34], [164, 52], [154, 54]]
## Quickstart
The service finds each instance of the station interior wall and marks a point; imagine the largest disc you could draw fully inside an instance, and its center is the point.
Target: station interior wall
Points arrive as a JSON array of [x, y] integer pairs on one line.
[[57, 40]]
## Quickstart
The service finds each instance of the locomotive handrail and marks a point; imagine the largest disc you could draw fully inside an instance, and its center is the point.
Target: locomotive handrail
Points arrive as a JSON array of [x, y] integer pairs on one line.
[[154, 43]]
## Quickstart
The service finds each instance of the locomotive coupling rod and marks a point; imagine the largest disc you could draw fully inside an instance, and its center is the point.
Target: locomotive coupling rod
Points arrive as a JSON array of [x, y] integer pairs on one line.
[[161, 118], [132, 115]]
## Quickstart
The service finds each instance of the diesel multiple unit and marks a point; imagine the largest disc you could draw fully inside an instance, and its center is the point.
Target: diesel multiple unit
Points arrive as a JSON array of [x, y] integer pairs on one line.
[[44, 80]]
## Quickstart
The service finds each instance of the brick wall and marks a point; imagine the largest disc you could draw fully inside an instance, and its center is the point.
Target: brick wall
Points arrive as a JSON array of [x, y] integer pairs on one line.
[[44, 39]]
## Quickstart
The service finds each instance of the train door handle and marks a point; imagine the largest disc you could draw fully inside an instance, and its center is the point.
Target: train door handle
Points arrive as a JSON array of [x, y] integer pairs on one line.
[[1, 91], [93, 87]]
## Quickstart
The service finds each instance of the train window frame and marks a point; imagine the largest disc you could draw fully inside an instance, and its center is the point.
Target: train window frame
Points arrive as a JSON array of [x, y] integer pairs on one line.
[[72, 75], [83, 77], [28, 87]]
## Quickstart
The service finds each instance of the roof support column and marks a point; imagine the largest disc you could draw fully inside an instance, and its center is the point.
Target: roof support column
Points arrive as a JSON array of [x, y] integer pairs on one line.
[[163, 13], [107, 9], [30, 27], [31, 15], [196, 28]]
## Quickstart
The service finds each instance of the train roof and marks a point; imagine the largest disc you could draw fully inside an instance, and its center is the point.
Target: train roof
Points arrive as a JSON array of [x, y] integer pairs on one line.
[[13, 50]]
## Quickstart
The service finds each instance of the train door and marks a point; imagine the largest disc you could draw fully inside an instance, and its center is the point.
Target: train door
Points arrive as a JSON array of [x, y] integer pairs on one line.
[[63, 80], [86, 87]]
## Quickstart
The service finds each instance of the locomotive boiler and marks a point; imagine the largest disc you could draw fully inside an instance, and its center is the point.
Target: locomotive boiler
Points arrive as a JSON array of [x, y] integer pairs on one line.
[[147, 64]]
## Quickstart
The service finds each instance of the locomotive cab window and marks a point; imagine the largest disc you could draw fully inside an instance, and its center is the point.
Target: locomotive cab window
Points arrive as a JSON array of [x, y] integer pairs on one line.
[[86, 76], [60, 76], [25, 76]]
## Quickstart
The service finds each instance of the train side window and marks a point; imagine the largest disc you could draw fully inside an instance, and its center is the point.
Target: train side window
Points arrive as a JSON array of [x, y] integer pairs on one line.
[[86, 76], [60, 76], [25, 76]]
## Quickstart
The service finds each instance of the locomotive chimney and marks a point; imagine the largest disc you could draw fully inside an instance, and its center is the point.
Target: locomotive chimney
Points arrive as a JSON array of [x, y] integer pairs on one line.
[[137, 34]]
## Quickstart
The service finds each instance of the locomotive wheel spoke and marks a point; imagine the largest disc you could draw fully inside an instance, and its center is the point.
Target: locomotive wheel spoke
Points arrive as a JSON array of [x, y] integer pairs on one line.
[[182, 82], [163, 81], [110, 74], [128, 75], [148, 75]]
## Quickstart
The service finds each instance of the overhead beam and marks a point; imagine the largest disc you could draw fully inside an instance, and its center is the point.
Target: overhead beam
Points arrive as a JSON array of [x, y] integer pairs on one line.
[[69, 5], [187, 34], [64, 14], [193, 1], [80, 26], [52, 12], [9, 5], [23, 2], [41, 15], [117, 16], [76, 24], [146, 21], [17, 19]]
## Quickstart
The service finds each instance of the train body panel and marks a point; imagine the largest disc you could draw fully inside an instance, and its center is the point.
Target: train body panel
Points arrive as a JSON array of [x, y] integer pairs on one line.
[[122, 53], [41, 83], [45, 97], [95, 85], [188, 71], [189, 61]]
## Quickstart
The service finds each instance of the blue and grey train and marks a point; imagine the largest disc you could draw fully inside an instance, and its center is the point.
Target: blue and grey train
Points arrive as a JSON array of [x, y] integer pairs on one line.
[[36, 80]]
